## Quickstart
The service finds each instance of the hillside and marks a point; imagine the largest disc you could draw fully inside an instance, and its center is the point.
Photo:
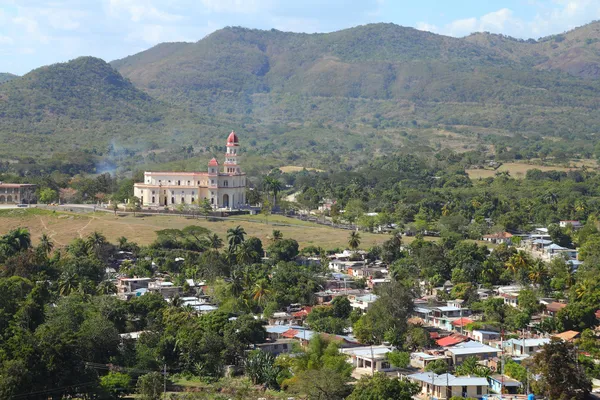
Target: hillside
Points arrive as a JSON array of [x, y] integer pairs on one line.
[[576, 52], [315, 100], [412, 76], [5, 77]]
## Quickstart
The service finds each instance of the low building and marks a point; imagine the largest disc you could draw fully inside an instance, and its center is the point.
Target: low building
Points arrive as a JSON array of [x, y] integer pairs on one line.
[[129, 285], [167, 289], [277, 347], [573, 223], [485, 336], [500, 237], [524, 347], [17, 193], [462, 351], [553, 308], [567, 336], [362, 302], [421, 360], [445, 386], [500, 382], [368, 359]]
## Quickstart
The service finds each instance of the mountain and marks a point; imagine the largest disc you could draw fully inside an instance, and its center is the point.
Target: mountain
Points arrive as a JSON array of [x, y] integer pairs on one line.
[[315, 99], [483, 81], [5, 77], [576, 52]]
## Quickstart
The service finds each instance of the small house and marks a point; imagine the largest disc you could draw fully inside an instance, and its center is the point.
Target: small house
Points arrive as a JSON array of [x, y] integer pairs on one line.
[[499, 382], [447, 385]]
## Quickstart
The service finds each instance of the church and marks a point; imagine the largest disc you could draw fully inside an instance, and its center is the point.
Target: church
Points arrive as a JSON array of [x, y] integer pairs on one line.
[[223, 188]]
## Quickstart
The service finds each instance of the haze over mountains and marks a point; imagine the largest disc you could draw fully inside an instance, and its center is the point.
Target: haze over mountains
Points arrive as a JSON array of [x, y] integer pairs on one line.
[[374, 87]]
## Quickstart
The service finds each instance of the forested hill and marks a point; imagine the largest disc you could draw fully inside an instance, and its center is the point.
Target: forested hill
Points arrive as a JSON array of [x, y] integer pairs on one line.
[[481, 81], [5, 77]]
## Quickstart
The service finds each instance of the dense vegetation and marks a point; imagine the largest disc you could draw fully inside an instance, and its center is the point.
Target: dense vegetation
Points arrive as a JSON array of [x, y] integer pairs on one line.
[[320, 100]]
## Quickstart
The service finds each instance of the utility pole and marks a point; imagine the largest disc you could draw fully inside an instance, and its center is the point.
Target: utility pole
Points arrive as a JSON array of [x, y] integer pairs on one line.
[[165, 381]]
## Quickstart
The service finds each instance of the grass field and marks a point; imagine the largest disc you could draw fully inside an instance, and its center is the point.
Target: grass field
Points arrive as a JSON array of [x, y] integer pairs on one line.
[[294, 168], [516, 170], [64, 227]]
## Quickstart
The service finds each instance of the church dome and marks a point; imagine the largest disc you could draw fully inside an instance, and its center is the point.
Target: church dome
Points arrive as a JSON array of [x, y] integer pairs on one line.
[[232, 138], [213, 162]]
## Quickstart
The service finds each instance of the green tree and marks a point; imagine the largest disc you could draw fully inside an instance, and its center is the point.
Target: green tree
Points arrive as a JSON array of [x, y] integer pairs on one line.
[[283, 250], [354, 240], [150, 386], [116, 384], [400, 359], [380, 386], [235, 237], [437, 367], [48, 195], [560, 374], [46, 245], [471, 366]]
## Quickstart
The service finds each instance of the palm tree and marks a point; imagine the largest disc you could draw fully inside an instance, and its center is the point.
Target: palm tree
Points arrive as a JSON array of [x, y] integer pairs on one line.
[[106, 287], [537, 272], [215, 242], [18, 239], [122, 242], [354, 240], [261, 291], [67, 284], [95, 240], [46, 244], [235, 237], [245, 254], [274, 186], [518, 262], [277, 235]]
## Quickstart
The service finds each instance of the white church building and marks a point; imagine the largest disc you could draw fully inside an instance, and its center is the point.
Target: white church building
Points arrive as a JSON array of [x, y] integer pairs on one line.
[[223, 189]]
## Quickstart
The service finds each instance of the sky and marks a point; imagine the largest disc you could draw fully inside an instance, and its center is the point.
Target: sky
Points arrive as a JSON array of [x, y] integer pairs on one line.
[[34, 33]]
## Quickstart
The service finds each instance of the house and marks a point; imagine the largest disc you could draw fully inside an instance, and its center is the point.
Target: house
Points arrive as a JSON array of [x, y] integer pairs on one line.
[[368, 359], [451, 340], [511, 299], [524, 347], [279, 346], [374, 283], [499, 238], [574, 224], [485, 336], [362, 302], [280, 318], [462, 351], [421, 360], [17, 193], [166, 289], [498, 382], [553, 308], [567, 336], [445, 386], [461, 323]]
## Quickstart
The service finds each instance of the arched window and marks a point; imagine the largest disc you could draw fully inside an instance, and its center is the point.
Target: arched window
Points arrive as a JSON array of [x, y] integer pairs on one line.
[[193, 200], [183, 200], [172, 200], [153, 200], [226, 183]]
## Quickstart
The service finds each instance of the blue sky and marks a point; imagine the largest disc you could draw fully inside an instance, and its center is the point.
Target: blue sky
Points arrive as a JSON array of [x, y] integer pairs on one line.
[[40, 32]]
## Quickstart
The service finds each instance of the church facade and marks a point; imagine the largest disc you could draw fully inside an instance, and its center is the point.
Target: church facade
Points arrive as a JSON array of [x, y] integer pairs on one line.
[[224, 187]]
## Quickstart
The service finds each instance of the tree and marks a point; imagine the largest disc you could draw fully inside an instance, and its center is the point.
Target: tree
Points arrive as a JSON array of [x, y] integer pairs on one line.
[[380, 386], [341, 307], [235, 237], [67, 195], [471, 366], [261, 291], [46, 245], [205, 207], [354, 240], [283, 250], [215, 242], [560, 374], [320, 384], [134, 205], [48, 195], [276, 235], [260, 367], [116, 384], [399, 359], [150, 386], [437, 367]]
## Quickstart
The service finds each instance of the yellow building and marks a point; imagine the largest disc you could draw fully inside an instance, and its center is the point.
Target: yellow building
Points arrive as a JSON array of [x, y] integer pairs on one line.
[[224, 188]]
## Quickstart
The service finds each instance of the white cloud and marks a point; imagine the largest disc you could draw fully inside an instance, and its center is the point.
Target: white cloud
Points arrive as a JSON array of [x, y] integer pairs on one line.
[[424, 26], [287, 24], [6, 40], [139, 10], [236, 6]]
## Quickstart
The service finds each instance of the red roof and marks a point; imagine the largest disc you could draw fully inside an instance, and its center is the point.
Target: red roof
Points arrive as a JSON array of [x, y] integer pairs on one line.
[[462, 322], [302, 313], [598, 314], [213, 163], [232, 138], [434, 335], [451, 340], [555, 306], [290, 333]]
